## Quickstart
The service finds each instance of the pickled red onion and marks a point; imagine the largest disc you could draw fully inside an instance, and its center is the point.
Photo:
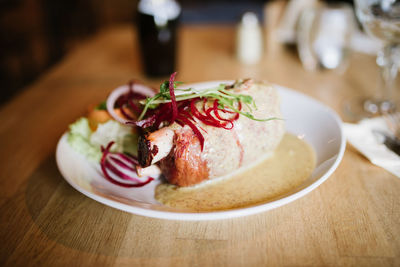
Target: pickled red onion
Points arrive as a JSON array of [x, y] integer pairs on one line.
[[122, 90], [110, 162]]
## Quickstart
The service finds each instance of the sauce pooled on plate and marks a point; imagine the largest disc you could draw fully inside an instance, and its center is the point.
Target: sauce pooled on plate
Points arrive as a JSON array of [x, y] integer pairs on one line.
[[291, 164]]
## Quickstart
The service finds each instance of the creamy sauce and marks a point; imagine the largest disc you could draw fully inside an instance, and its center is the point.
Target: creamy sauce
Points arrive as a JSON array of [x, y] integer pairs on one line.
[[292, 163]]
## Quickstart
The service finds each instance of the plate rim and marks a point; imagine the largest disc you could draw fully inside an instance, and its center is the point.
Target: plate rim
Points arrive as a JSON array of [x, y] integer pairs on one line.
[[225, 214]]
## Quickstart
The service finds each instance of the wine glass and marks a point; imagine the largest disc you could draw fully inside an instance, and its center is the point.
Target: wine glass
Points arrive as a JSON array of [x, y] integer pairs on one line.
[[323, 36], [381, 19]]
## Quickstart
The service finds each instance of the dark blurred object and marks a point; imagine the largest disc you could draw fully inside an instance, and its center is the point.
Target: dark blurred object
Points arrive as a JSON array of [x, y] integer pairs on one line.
[[157, 23], [220, 11], [64, 22], [351, 2], [22, 45], [35, 34]]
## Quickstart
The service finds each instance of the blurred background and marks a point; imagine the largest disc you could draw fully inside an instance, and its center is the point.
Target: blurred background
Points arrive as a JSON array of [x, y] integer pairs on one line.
[[36, 34]]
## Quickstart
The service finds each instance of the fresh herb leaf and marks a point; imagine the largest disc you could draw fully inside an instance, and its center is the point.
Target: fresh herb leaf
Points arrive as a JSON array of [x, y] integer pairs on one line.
[[102, 106], [164, 87]]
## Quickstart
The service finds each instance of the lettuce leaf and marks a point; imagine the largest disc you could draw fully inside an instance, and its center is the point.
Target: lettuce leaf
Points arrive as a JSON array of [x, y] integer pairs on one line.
[[86, 142]]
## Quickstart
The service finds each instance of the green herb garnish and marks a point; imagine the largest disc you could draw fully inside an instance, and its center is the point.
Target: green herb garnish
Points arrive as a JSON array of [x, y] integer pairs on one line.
[[102, 106], [226, 99]]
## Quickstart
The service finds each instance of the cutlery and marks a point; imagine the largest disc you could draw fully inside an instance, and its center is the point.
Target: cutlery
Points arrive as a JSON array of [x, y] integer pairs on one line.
[[391, 140]]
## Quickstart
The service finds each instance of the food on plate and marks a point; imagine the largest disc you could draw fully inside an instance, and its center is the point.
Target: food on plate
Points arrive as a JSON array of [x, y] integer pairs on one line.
[[186, 160], [189, 135]]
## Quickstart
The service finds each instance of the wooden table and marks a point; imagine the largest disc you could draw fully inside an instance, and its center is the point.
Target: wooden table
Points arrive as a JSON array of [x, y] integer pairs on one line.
[[353, 219]]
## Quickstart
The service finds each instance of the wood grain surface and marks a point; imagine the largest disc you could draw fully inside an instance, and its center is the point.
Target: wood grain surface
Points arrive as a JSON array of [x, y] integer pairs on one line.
[[353, 219]]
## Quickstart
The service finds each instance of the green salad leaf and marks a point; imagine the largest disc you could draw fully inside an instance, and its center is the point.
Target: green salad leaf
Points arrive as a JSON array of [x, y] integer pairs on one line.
[[88, 143]]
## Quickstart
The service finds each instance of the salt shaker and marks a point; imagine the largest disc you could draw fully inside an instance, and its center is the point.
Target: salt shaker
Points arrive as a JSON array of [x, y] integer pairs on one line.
[[249, 43]]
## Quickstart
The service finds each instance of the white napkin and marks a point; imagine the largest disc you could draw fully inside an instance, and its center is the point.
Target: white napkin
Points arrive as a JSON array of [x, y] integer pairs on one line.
[[362, 137]]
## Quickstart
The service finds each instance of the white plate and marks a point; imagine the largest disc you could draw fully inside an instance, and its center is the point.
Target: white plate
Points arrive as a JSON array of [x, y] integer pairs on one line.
[[304, 116]]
